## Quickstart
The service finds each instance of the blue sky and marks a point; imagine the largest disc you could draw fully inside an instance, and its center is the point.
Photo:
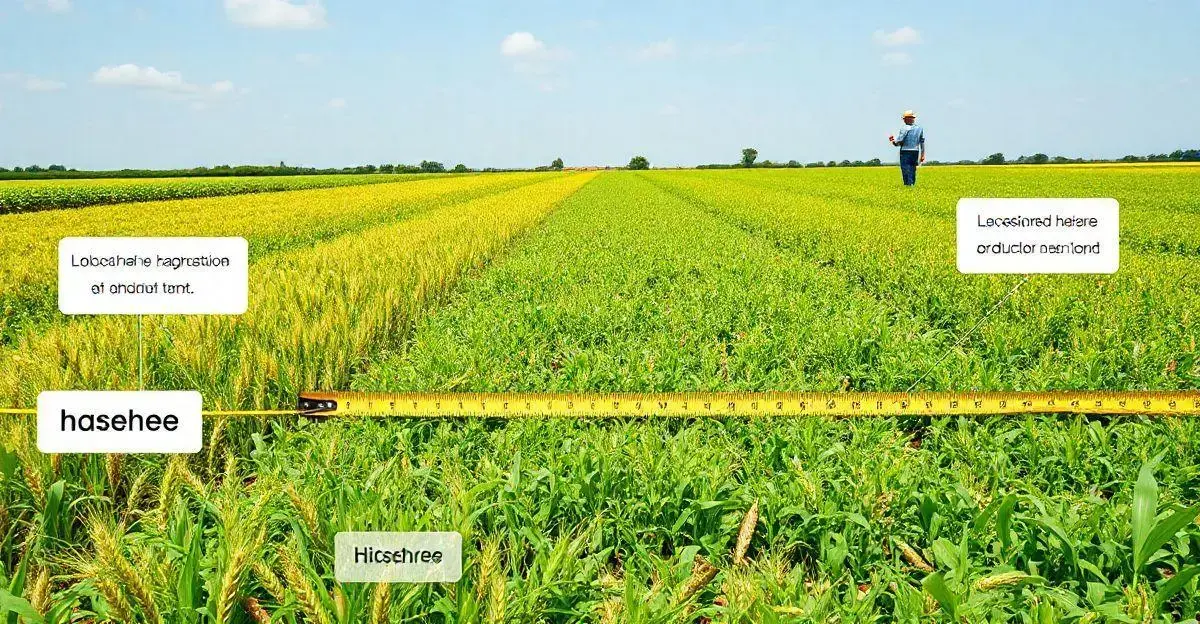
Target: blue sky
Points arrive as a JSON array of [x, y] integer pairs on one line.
[[178, 83]]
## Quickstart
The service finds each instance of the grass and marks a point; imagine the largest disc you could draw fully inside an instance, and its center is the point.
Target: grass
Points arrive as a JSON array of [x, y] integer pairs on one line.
[[732, 280]]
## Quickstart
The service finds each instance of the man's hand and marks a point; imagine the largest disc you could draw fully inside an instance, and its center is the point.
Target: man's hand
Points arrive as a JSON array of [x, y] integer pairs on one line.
[[922, 158]]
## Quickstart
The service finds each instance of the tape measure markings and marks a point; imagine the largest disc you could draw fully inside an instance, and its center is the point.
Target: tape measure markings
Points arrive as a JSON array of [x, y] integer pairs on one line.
[[700, 404], [723, 404]]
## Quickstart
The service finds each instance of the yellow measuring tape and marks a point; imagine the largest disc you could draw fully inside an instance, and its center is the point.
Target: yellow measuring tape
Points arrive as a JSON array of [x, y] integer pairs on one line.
[[735, 404], [702, 404]]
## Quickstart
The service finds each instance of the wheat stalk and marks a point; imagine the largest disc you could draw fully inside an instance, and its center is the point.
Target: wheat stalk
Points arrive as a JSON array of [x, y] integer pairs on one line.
[[192, 480], [307, 511], [997, 581], [913, 557], [39, 594], [117, 603], [166, 489], [105, 536], [231, 580], [381, 603], [703, 573], [745, 534], [135, 493], [33, 478], [303, 589], [112, 469], [214, 442], [270, 582]]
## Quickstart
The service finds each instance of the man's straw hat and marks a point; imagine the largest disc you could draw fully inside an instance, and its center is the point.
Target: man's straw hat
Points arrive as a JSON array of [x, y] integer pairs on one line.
[[909, 113]]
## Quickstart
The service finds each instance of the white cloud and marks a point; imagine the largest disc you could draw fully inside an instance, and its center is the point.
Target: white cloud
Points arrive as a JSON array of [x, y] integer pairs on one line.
[[276, 14], [337, 102], [130, 75], [896, 58], [532, 57], [521, 44], [658, 50], [170, 83], [905, 35], [54, 6]]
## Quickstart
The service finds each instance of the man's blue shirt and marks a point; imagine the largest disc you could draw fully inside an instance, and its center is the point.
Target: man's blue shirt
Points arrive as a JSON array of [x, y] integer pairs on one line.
[[911, 137]]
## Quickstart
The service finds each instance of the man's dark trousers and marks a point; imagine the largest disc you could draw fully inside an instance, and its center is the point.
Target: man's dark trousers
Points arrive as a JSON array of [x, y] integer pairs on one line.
[[908, 166]]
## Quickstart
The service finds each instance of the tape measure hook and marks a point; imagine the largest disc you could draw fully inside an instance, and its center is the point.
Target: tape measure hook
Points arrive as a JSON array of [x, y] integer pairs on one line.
[[309, 406]]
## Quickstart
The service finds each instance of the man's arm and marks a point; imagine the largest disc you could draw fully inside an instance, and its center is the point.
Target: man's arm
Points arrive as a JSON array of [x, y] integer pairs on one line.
[[899, 140], [922, 147]]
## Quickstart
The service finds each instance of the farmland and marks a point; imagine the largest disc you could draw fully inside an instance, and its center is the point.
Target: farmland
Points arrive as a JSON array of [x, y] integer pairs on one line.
[[33, 195], [826, 280]]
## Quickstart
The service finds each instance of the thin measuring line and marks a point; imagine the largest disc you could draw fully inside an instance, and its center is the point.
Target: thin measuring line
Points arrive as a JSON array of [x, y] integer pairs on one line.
[[141, 362], [964, 337], [21, 411]]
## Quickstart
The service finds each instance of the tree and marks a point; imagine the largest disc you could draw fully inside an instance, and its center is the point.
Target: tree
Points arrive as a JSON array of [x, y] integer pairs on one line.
[[557, 165], [432, 166], [874, 162], [748, 156], [56, 168], [387, 168], [794, 164], [994, 159], [639, 163], [1039, 159], [460, 168]]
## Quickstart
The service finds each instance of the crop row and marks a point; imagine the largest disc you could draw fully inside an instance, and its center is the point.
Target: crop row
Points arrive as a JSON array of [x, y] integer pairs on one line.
[[1135, 329], [271, 222], [314, 313], [18, 196]]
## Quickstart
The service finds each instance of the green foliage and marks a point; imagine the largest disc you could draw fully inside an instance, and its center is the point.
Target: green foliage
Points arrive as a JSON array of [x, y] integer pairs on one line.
[[638, 163], [737, 280], [748, 156]]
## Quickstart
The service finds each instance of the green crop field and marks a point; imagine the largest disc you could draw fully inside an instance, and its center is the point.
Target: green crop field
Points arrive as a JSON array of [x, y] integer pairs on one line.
[[690, 280]]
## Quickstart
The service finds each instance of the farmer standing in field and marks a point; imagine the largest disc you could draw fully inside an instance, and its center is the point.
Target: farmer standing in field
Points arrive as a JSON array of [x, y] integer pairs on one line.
[[911, 142]]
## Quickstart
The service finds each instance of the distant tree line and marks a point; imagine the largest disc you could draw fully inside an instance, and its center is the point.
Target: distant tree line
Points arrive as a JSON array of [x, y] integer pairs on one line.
[[750, 160], [1179, 155], [426, 166], [62, 172]]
